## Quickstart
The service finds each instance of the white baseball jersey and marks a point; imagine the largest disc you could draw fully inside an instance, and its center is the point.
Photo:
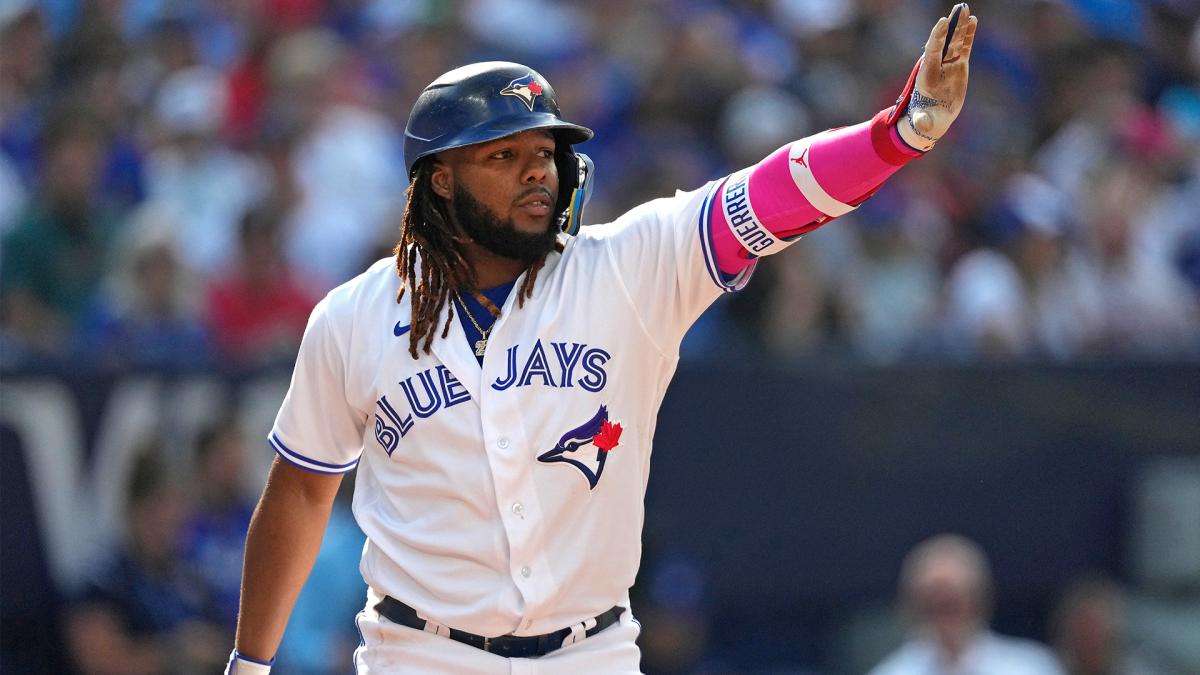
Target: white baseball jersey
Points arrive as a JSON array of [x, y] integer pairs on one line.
[[508, 498]]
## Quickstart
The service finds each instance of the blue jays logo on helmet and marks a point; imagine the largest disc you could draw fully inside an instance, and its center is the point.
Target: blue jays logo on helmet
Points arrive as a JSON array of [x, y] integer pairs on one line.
[[599, 434], [526, 88], [471, 104]]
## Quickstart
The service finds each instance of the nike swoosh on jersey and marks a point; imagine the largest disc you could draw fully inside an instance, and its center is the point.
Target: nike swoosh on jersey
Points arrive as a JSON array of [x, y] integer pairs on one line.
[[400, 330]]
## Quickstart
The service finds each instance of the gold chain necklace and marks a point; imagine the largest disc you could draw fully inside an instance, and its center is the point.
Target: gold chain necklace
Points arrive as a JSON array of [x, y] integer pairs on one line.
[[481, 344]]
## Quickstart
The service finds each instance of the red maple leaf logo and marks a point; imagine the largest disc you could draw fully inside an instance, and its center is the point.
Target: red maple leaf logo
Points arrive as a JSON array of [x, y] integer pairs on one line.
[[535, 88], [609, 436]]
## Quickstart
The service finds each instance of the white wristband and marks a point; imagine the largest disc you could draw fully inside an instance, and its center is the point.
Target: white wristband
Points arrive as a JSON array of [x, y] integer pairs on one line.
[[243, 665]]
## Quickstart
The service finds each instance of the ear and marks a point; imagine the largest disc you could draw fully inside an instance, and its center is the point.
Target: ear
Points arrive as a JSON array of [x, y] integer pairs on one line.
[[441, 179]]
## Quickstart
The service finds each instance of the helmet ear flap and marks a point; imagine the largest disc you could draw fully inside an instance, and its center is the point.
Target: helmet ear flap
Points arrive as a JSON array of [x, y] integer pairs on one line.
[[574, 188]]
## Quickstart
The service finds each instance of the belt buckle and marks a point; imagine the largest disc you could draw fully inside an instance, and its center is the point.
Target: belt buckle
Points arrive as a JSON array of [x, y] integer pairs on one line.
[[487, 644]]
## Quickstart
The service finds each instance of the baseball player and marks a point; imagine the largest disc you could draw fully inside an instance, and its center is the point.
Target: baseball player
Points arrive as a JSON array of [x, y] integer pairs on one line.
[[496, 382]]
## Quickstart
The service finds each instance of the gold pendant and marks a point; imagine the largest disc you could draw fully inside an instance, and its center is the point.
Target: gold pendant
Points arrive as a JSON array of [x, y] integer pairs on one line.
[[480, 346]]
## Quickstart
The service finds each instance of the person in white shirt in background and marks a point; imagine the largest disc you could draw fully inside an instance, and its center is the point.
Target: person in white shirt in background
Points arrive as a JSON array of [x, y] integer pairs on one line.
[[946, 590], [205, 186]]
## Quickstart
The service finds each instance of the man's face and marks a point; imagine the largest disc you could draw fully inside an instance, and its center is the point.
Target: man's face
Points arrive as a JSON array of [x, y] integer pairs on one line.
[[503, 193], [947, 599]]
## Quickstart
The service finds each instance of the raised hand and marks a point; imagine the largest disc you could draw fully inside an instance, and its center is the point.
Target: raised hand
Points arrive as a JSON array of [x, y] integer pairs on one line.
[[941, 83]]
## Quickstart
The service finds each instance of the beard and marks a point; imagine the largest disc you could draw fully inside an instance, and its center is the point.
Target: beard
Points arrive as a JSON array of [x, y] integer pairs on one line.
[[500, 237]]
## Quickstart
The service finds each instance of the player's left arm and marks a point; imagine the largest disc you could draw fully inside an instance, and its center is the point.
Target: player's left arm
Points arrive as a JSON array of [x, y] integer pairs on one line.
[[805, 184]]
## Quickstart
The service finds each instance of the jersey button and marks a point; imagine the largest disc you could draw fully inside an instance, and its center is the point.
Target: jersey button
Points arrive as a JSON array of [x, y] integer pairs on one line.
[[519, 509], [526, 572], [502, 443]]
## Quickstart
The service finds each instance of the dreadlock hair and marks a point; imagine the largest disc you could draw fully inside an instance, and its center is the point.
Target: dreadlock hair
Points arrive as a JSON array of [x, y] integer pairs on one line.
[[427, 233]]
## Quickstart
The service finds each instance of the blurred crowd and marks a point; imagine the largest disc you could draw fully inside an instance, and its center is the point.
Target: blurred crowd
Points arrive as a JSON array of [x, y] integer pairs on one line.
[[181, 180], [164, 599], [940, 624]]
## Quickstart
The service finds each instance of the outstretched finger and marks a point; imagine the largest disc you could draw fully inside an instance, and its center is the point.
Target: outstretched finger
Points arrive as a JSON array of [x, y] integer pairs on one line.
[[968, 38], [952, 48], [937, 38], [931, 62]]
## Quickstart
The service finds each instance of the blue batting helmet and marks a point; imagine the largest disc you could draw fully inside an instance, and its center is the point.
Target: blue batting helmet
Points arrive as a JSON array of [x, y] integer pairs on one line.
[[486, 101]]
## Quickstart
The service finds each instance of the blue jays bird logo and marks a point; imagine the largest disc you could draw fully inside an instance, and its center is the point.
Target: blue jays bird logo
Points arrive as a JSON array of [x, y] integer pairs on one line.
[[598, 433], [525, 88]]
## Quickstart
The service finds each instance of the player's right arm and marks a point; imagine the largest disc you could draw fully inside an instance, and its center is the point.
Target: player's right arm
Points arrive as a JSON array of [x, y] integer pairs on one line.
[[284, 538], [317, 437]]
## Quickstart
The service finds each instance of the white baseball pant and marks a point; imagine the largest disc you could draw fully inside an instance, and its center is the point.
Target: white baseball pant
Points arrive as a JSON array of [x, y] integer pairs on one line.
[[391, 649]]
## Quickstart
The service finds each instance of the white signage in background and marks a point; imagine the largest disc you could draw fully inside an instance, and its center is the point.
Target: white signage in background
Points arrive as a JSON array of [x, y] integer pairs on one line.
[[79, 497], [1165, 552], [43, 414]]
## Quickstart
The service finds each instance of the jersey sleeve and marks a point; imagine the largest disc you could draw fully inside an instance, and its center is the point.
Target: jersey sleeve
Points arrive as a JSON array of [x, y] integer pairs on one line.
[[663, 259], [317, 429]]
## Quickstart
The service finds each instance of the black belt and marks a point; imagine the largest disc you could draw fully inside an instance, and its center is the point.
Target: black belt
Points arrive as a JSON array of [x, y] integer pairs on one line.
[[506, 645]]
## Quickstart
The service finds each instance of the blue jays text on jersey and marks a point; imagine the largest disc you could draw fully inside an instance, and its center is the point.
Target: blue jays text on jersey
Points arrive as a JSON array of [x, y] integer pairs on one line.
[[436, 388]]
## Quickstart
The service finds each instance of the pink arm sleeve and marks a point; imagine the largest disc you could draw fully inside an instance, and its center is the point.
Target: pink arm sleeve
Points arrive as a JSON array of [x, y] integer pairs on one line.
[[802, 186]]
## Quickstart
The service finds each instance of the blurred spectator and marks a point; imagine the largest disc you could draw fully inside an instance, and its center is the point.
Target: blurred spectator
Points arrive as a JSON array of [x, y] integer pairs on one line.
[[889, 291], [675, 614], [204, 185], [258, 310], [24, 85], [987, 312], [147, 314], [1088, 626], [1146, 308], [793, 313], [504, 24], [62, 243], [142, 615], [165, 48], [320, 637], [215, 533], [946, 591], [1035, 295], [12, 195], [758, 120], [346, 161], [248, 87], [1064, 300], [88, 67]]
